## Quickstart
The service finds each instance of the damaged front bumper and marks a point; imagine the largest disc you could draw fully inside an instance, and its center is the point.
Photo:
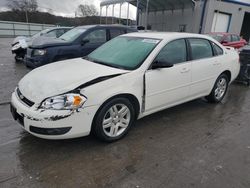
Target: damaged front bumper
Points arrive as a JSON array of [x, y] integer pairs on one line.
[[52, 124]]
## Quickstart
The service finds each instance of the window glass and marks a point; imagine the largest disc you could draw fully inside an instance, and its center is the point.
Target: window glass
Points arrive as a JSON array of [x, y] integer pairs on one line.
[[51, 34], [124, 52], [174, 52], [116, 32], [216, 36], [200, 48], [59, 32], [228, 38], [235, 38], [97, 36], [217, 49], [72, 34]]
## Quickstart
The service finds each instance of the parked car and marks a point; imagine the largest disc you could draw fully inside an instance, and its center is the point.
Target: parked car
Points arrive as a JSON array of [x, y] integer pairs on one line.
[[127, 78], [21, 43], [78, 42], [245, 64], [228, 39]]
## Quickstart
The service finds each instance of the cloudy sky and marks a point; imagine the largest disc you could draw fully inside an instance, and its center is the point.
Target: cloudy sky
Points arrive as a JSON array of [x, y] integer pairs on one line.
[[68, 7]]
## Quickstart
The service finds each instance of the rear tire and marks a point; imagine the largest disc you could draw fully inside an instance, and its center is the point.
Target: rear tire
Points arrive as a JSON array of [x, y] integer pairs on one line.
[[219, 90], [113, 120]]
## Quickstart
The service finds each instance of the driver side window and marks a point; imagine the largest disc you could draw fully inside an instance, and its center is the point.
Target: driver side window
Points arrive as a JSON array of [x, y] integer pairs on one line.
[[174, 52], [97, 36]]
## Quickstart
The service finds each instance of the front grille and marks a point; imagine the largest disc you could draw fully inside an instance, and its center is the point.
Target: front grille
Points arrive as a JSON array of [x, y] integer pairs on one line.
[[24, 99]]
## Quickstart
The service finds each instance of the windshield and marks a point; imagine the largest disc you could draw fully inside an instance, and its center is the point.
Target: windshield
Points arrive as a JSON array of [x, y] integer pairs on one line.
[[124, 52], [72, 34], [40, 33], [217, 37]]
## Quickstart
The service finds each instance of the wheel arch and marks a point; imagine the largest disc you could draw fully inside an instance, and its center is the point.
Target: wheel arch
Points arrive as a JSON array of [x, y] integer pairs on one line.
[[228, 74], [132, 98]]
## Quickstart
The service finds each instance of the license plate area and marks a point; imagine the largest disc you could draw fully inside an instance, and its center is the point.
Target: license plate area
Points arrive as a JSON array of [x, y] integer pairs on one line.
[[15, 115]]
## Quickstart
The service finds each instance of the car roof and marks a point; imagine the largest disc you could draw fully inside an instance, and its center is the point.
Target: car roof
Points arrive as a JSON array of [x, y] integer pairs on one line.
[[52, 28], [166, 35], [104, 26]]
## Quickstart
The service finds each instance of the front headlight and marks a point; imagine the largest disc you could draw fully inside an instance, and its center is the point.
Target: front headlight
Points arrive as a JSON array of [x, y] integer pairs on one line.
[[16, 46], [64, 102], [39, 52]]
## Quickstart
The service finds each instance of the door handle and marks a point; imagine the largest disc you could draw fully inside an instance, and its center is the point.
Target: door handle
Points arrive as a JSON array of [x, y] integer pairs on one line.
[[185, 70]]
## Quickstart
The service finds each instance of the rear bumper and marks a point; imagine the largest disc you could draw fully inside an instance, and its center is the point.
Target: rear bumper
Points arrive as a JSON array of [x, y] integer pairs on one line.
[[53, 124]]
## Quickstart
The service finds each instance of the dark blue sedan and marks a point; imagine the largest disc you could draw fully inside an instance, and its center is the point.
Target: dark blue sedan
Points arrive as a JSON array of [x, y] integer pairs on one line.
[[77, 42]]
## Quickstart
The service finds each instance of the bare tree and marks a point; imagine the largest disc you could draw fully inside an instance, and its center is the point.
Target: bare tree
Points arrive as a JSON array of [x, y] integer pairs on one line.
[[86, 10], [23, 5]]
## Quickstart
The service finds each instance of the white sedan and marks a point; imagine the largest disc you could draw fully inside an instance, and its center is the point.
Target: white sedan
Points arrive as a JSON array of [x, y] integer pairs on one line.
[[129, 77]]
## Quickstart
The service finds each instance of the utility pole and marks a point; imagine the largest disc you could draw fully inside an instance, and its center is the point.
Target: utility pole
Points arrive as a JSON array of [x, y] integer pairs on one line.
[[26, 15]]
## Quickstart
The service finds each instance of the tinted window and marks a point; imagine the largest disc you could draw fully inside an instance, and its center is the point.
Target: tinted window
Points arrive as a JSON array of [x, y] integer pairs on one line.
[[116, 32], [97, 36], [217, 49], [174, 52], [200, 48]]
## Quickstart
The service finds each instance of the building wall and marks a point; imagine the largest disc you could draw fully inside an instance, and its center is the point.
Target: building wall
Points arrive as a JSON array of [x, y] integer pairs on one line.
[[237, 15], [171, 20]]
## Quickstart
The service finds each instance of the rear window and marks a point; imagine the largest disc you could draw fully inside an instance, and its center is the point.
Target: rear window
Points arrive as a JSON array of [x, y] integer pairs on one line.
[[116, 32], [200, 48], [217, 49]]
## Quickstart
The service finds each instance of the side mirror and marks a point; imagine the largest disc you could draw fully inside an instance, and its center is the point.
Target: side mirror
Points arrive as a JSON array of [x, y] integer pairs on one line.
[[84, 41], [161, 64]]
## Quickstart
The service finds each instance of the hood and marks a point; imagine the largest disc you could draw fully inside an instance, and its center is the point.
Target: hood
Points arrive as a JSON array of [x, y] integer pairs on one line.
[[16, 40], [61, 77], [43, 42]]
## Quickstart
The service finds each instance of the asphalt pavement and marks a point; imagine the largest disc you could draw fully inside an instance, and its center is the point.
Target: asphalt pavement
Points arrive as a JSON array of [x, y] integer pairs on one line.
[[196, 144]]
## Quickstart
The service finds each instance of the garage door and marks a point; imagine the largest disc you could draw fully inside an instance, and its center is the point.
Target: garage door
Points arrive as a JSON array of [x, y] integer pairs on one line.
[[221, 22]]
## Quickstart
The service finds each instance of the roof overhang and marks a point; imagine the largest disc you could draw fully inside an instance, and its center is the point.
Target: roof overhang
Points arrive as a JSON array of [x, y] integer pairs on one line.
[[155, 5]]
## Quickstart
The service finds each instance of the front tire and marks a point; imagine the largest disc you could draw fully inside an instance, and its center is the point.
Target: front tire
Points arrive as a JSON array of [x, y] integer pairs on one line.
[[113, 120], [219, 90]]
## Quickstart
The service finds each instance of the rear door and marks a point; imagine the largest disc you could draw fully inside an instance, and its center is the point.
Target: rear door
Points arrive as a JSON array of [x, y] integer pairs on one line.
[[205, 66]]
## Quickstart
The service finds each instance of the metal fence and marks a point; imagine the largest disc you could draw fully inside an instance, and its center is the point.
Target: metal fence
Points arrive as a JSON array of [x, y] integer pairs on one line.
[[13, 29]]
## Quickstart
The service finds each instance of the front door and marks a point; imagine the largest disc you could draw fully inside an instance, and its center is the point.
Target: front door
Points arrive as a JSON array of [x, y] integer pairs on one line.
[[168, 86]]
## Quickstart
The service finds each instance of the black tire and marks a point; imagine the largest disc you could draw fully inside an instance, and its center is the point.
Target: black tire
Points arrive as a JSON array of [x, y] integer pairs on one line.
[[212, 96], [97, 127]]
